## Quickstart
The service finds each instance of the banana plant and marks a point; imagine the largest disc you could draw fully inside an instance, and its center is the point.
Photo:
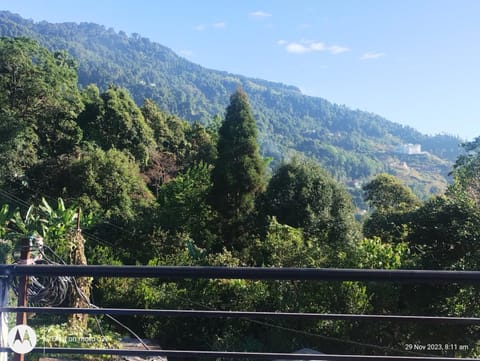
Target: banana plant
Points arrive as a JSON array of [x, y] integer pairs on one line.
[[56, 225]]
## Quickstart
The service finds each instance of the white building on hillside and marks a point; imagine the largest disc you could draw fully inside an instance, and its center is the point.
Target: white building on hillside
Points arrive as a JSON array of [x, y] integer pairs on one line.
[[408, 149]]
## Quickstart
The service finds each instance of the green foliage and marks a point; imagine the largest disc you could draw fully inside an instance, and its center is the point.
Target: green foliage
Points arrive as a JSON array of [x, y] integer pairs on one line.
[[183, 205], [238, 176], [446, 228], [4, 218], [373, 253], [168, 130], [302, 194], [5, 245], [60, 335], [285, 246], [202, 145], [112, 120], [109, 182], [392, 227], [17, 147], [39, 100], [348, 297], [56, 225], [446, 231], [466, 173], [442, 233], [387, 194], [90, 119], [392, 204]]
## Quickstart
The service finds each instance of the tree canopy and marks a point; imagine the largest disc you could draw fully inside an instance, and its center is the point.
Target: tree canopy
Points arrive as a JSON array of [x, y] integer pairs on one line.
[[238, 175], [385, 193], [113, 120], [301, 194], [40, 100]]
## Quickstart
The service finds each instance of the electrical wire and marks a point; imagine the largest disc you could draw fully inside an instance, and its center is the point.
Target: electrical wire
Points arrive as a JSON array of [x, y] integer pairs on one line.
[[91, 237], [44, 290], [39, 290], [289, 329], [90, 304], [53, 199], [25, 205], [336, 339], [329, 338], [82, 294], [13, 198], [52, 291]]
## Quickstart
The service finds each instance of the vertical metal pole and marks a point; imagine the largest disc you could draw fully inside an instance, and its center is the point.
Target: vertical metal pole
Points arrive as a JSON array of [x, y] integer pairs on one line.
[[3, 316], [26, 244], [78, 219]]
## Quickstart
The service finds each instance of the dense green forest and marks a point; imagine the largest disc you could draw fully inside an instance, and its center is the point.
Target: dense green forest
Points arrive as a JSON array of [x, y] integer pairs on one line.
[[157, 190], [352, 145]]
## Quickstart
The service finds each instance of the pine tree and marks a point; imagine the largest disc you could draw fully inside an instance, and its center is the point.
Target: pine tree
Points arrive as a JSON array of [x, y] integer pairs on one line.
[[238, 176]]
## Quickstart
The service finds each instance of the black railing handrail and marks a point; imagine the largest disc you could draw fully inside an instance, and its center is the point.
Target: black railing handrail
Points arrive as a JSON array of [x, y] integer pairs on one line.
[[251, 273]]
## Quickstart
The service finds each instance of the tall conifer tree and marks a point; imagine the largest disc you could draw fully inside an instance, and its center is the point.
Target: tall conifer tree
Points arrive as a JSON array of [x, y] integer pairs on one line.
[[238, 176]]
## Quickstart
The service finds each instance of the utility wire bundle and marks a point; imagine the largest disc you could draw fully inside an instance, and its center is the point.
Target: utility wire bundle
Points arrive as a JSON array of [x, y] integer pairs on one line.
[[53, 291], [44, 290]]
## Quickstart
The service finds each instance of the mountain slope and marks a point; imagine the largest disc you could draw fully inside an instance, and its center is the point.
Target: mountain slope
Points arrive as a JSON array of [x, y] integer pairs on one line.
[[352, 144]]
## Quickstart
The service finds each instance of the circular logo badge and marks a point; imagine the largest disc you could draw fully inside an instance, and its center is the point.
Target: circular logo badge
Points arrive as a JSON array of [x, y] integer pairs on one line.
[[22, 339]]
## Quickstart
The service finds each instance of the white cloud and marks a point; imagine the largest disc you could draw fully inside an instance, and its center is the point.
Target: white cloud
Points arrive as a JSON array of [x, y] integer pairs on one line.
[[218, 25], [317, 46], [297, 48], [309, 46], [336, 49], [260, 14], [372, 55], [200, 27]]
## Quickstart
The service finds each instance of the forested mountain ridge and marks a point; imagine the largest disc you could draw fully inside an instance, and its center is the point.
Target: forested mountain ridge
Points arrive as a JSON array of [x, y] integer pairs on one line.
[[352, 144]]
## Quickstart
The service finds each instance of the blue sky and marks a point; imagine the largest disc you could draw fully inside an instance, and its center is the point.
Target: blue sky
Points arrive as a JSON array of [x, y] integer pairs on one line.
[[415, 62]]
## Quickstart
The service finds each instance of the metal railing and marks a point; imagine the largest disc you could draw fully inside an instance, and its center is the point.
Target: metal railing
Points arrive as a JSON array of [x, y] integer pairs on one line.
[[177, 273]]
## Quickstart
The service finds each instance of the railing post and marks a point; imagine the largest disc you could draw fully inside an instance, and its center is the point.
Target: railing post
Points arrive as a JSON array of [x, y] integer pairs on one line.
[[26, 245], [3, 316]]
